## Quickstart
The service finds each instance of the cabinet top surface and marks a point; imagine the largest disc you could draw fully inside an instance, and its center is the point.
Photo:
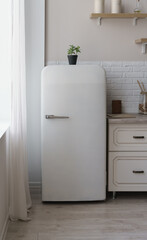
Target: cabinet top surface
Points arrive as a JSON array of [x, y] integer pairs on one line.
[[127, 118]]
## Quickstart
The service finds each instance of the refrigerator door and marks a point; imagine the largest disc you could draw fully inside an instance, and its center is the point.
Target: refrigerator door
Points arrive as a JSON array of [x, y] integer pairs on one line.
[[73, 122]]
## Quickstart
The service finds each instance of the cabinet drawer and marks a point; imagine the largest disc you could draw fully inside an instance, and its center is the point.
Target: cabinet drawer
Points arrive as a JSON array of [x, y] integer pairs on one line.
[[127, 171], [127, 137]]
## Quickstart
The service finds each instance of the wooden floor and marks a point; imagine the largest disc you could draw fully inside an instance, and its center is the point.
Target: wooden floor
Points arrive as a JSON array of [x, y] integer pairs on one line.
[[119, 219]]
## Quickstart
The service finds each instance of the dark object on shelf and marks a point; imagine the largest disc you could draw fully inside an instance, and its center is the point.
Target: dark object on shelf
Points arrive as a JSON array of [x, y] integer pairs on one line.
[[116, 106]]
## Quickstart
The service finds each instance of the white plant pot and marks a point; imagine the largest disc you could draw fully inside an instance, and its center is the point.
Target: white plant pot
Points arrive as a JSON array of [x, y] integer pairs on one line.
[[99, 6], [115, 6]]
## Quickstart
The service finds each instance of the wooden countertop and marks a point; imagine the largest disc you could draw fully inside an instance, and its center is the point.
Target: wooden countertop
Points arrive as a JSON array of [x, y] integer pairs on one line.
[[127, 118]]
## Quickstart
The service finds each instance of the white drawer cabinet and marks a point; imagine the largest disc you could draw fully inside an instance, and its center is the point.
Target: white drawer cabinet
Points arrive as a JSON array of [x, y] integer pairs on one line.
[[127, 137], [127, 157], [127, 171]]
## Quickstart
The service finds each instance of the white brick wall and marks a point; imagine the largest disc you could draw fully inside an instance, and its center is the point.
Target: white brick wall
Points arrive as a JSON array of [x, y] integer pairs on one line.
[[122, 84]]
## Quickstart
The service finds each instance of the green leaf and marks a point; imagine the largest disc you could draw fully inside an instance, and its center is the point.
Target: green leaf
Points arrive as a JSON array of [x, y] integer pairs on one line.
[[73, 50]]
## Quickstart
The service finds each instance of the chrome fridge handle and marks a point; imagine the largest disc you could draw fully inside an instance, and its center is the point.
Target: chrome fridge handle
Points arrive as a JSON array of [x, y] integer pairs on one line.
[[55, 117]]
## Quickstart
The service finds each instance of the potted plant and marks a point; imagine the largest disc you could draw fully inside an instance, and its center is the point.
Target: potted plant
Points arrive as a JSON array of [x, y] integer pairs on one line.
[[72, 54]]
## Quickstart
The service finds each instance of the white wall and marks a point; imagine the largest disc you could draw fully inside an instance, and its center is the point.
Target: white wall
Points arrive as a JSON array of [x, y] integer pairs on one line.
[[34, 64], [68, 22], [4, 202], [5, 23]]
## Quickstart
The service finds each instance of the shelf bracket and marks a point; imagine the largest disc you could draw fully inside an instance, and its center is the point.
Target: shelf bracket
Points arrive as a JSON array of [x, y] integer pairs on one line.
[[99, 21], [135, 21], [143, 42], [144, 47]]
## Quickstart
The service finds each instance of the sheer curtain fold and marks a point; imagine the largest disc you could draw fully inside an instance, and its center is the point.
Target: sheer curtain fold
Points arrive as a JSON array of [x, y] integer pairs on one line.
[[20, 199]]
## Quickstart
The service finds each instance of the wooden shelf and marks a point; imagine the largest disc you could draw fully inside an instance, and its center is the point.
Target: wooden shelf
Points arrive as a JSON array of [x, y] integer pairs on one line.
[[134, 16], [118, 15], [142, 41]]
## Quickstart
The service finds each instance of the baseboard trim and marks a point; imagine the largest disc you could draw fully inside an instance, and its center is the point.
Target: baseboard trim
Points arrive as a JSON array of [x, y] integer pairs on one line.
[[5, 228], [35, 187]]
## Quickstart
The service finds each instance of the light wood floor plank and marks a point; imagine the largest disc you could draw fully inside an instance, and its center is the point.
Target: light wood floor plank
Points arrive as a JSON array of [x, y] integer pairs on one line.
[[122, 219]]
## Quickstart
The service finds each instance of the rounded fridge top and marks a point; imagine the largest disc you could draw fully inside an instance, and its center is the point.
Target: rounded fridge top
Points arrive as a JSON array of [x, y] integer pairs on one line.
[[82, 73]]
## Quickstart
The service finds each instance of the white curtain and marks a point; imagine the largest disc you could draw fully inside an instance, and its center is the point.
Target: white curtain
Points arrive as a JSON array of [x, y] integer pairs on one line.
[[20, 199]]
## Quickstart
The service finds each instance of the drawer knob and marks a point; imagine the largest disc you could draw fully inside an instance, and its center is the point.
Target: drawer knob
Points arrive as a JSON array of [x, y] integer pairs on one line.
[[138, 137], [138, 171]]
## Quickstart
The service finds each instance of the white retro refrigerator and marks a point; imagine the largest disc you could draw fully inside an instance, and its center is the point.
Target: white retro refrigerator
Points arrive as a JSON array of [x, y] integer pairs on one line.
[[73, 133]]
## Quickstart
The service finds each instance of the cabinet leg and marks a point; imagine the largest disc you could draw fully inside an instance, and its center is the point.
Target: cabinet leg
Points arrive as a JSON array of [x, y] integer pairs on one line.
[[114, 195]]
